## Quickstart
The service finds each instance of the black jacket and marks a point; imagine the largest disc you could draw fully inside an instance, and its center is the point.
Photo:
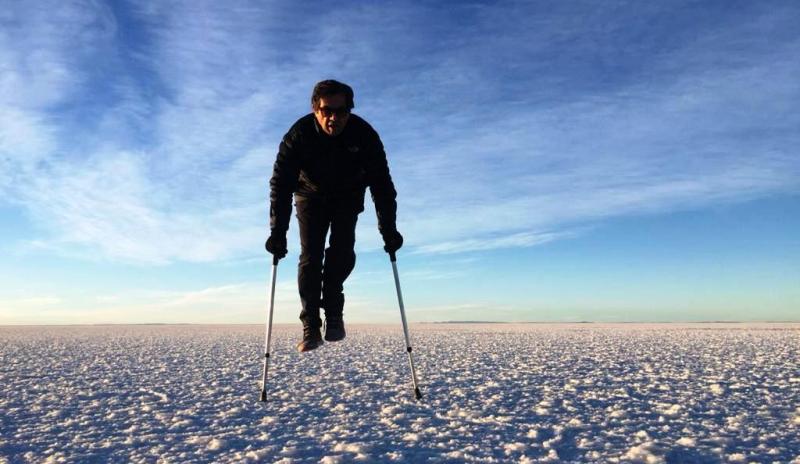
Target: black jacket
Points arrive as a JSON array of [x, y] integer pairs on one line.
[[313, 164]]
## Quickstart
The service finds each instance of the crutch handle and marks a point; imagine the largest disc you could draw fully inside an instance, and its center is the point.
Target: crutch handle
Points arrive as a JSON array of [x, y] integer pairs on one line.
[[393, 256], [275, 260]]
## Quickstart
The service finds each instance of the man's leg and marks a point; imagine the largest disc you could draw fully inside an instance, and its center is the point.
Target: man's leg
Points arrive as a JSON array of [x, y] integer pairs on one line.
[[313, 224], [340, 259]]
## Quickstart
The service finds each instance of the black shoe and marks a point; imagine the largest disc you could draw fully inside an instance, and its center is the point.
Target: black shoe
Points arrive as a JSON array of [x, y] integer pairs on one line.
[[334, 329], [311, 339]]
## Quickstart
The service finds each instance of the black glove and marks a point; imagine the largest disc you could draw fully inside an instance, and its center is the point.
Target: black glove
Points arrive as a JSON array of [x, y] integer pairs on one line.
[[392, 241], [276, 244]]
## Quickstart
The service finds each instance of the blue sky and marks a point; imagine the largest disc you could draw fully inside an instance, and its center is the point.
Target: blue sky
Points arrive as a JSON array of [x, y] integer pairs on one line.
[[555, 160]]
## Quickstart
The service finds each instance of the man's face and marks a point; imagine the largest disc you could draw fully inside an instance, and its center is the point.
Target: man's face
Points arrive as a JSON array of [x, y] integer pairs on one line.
[[332, 114]]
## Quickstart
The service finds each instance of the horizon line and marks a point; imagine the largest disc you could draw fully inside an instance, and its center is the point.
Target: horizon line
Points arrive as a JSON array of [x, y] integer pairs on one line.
[[453, 322]]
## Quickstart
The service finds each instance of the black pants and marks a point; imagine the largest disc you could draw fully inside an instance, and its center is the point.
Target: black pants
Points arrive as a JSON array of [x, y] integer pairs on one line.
[[321, 272]]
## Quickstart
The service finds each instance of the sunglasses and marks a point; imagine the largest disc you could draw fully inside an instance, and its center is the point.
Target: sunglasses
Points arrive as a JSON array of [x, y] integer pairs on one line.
[[327, 111]]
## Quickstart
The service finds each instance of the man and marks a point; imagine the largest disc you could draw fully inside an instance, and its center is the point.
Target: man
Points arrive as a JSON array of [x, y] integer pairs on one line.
[[327, 160]]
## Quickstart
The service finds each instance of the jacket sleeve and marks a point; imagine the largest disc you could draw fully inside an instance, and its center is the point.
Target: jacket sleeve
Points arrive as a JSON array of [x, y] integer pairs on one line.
[[381, 186], [283, 183]]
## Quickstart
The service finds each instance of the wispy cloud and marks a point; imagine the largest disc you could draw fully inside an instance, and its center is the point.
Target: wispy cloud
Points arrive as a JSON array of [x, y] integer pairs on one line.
[[28, 310], [34, 301], [243, 302], [684, 145], [41, 47], [158, 148], [525, 239]]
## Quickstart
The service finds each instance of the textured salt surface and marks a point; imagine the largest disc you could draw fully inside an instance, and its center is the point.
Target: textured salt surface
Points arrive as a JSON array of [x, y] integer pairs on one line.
[[494, 393]]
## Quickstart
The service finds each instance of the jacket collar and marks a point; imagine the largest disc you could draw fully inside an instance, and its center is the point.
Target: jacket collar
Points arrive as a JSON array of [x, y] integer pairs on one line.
[[322, 133]]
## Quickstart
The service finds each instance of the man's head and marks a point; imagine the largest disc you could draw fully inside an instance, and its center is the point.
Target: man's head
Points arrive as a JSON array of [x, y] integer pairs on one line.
[[332, 102]]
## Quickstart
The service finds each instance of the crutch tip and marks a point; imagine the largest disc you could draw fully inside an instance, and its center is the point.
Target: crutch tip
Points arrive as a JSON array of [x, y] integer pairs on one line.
[[417, 393], [263, 398]]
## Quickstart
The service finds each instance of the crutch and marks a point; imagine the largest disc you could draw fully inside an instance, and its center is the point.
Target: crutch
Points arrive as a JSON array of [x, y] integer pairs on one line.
[[417, 393], [275, 260]]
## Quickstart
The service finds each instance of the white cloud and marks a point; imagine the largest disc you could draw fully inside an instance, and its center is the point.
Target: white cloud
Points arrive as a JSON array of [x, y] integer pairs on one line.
[[33, 301], [523, 239], [41, 46], [175, 165], [643, 150], [243, 302], [25, 139], [109, 201], [28, 309]]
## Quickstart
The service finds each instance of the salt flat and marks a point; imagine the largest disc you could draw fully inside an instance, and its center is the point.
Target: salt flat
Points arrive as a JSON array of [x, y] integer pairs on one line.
[[692, 393]]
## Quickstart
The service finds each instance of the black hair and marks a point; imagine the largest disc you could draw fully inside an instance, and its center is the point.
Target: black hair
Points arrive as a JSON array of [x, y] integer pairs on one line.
[[330, 87]]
